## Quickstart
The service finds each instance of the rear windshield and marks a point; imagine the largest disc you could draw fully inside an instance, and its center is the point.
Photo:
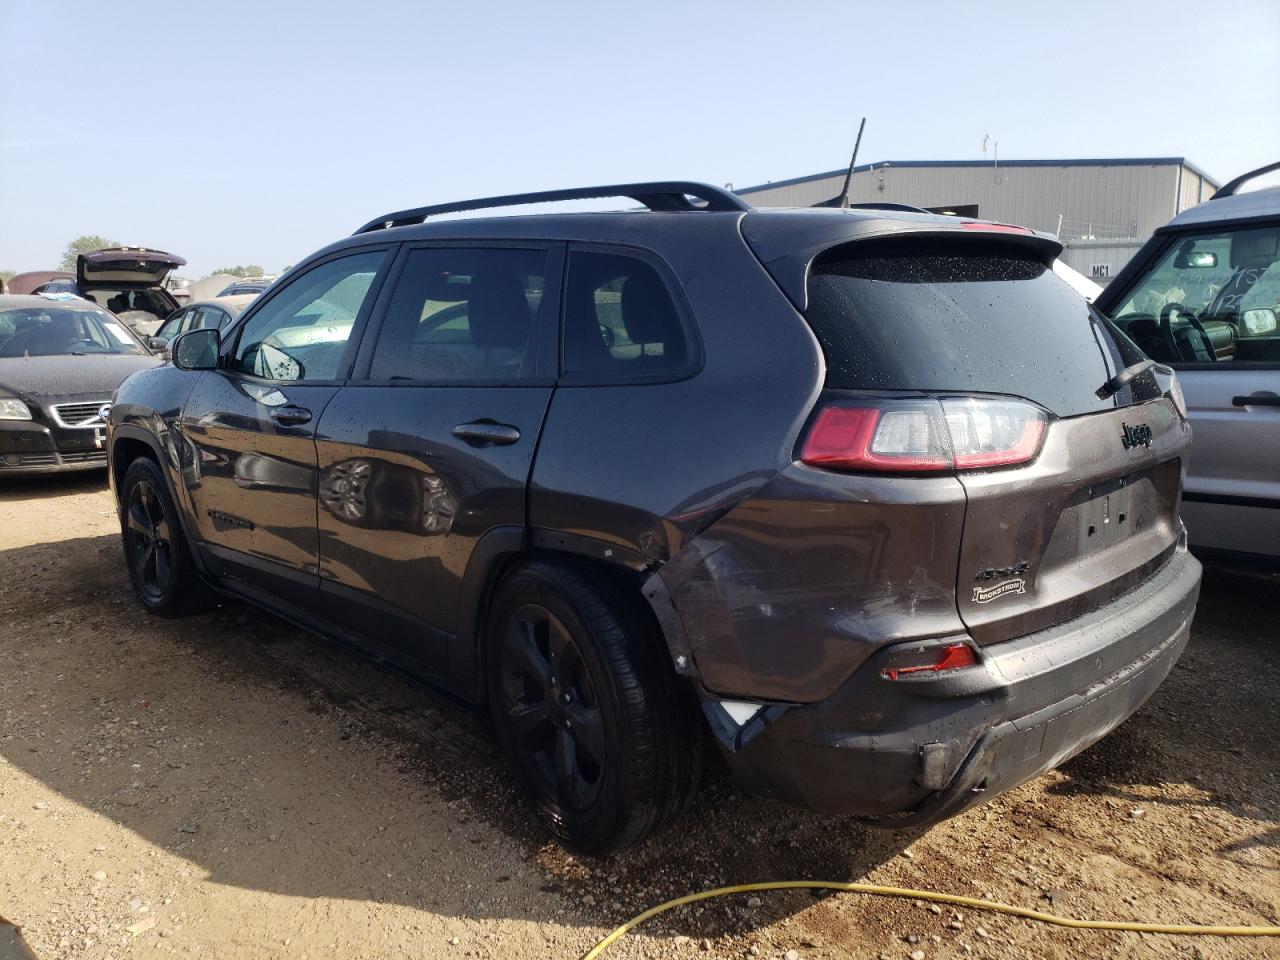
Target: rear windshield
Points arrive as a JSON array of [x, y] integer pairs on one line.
[[965, 315]]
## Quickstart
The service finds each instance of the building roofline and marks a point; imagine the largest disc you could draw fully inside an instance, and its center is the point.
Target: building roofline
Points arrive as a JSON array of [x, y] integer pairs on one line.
[[1092, 162]]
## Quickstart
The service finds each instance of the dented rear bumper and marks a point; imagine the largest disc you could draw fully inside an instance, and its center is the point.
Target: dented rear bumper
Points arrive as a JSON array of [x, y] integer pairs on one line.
[[915, 751]]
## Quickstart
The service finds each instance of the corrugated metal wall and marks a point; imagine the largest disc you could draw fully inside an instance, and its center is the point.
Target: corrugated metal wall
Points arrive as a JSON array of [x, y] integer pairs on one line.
[[1195, 189], [1127, 200], [1099, 260]]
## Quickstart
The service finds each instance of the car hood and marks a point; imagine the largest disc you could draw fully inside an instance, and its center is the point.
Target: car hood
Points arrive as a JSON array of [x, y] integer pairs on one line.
[[65, 376]]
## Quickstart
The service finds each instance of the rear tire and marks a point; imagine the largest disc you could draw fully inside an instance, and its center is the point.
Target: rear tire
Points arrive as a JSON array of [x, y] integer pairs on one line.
[[164, 576], [607, 741]]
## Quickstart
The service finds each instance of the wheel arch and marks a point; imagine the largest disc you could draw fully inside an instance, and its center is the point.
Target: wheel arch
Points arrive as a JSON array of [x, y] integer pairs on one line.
[[501, 549], [128, 443]]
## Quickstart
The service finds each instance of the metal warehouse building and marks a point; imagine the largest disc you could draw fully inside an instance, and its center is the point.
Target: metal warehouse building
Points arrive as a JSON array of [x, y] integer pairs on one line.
[[1102, 210]]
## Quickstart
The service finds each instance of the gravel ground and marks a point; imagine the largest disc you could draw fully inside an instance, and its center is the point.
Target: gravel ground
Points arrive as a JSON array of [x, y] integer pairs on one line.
[[228, 786]]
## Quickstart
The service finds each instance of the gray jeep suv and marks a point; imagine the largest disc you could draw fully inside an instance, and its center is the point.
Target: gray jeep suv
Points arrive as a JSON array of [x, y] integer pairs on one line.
[[870, 495]]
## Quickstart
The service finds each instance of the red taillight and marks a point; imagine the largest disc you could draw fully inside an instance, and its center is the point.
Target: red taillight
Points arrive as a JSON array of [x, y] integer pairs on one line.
[[844, 438], [924, 436], [951, 657]]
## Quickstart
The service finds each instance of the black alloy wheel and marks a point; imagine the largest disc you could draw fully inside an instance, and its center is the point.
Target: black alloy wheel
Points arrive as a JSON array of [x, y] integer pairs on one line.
[[149, 540], [586, 705], [164, 576], [552, 709]]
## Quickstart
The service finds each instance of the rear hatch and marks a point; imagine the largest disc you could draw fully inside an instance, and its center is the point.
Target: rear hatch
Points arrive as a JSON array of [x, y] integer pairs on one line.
[[124, 267], [976, 360]]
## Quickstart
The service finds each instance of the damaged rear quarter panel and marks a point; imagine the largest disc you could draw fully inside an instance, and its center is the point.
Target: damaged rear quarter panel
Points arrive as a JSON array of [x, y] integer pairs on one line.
[[789, 592]]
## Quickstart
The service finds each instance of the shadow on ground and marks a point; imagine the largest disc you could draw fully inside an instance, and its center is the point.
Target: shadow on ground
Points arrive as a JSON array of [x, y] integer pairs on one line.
[[275, 760], [1207, 726]]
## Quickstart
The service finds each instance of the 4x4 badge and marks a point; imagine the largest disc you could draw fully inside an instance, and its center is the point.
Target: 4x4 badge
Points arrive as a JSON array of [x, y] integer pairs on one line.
[[1139, 436]]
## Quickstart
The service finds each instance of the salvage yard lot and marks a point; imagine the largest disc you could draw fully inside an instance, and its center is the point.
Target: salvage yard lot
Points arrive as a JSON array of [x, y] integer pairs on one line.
[[229, 786]]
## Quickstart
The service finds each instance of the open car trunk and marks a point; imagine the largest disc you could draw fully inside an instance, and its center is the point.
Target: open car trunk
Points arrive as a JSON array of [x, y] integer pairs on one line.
[[117, 267], [129, 281]]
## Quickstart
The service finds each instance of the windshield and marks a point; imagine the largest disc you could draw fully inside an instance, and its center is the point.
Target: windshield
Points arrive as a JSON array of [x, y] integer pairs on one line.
[[1210, 297], [57, 331], [965, 316]]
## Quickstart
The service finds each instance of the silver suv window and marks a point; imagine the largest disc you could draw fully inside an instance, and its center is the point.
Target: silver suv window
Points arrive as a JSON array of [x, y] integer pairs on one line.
[[1210, 297]]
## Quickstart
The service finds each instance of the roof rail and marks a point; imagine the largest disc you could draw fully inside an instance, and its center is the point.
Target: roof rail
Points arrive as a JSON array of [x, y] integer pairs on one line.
[[1230, 189], [661, 195]]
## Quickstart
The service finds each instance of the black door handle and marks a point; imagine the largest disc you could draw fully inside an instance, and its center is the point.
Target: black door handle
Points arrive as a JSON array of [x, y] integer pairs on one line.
[[484, 433], [1256, 400], [289, 414]]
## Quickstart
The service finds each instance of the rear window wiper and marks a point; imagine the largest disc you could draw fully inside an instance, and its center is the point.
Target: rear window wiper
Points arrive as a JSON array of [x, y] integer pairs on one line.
[[1128, 374]]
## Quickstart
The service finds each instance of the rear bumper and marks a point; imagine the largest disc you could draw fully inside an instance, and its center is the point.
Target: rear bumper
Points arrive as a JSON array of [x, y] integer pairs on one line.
[[915, 751]]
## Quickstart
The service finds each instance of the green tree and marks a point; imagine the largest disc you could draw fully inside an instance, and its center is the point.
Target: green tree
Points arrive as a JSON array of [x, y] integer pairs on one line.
[[83, 245], [252, 270]]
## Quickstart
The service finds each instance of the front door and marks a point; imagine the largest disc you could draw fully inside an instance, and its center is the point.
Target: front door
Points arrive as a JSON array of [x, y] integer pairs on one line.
[[431, 447], [1209, 305], [250, 458]]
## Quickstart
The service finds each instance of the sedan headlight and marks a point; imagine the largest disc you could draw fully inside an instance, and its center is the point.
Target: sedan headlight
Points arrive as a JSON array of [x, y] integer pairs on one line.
[[11, 409]]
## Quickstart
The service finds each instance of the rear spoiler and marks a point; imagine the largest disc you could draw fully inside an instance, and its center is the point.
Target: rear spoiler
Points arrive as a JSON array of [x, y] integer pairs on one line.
[[788, 241]]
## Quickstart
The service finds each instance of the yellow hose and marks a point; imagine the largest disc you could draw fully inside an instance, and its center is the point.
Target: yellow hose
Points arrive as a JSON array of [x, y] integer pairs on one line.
[[1189, 930]]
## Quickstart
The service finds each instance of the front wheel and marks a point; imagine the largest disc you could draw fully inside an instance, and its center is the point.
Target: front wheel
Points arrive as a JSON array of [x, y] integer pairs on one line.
[[606, 741], [163, 574]]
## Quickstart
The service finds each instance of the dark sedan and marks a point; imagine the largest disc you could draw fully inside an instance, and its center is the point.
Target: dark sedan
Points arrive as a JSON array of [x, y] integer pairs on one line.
[[60, 362]]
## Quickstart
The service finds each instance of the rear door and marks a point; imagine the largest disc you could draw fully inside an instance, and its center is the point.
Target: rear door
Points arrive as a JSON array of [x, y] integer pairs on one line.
[[250, 429], [970, 321], [1208, 305], [429, 447]]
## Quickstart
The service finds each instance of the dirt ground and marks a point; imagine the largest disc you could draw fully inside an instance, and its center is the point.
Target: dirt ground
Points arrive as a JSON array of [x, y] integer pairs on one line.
[[228, 786]]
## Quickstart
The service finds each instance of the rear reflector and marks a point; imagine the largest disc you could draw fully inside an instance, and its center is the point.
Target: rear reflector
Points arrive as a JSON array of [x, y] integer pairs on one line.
[[951, 657], [923, 436]]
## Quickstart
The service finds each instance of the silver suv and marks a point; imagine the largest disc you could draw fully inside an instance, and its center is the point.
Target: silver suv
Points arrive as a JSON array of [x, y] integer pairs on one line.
[[1203, 296]]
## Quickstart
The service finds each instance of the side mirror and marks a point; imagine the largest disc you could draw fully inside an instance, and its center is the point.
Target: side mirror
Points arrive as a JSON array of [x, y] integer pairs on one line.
[[1258, 321], [197, 349], [157, 344]]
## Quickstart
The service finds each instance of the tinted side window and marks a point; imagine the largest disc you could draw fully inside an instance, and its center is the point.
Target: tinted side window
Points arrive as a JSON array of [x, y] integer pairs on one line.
[[620, 320], [301, 333], [208, 317], [462, 314]]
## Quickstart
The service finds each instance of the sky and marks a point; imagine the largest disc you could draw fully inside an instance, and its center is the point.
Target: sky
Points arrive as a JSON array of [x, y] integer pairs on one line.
[[237, 133]]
